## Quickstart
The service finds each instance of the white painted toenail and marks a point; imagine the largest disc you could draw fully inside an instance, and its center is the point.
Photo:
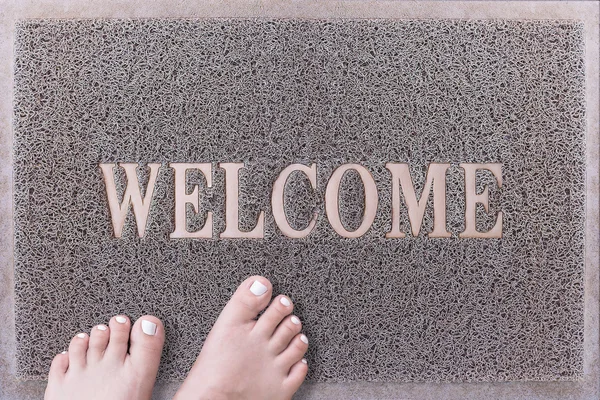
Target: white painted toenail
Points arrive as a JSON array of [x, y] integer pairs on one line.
[[81, 335], [149, 328], [285, 301], [304, 361], [304, 339], [258, 288], [64, 352], [295, 320], [121, 320], [101, 327]]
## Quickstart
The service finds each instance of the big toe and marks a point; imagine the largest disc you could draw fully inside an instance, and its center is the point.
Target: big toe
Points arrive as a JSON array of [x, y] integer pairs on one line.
[[146, 345], [250, 298]]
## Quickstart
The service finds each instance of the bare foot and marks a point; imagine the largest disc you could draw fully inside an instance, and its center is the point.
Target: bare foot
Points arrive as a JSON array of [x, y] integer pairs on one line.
[[101, 367], [245, 358]]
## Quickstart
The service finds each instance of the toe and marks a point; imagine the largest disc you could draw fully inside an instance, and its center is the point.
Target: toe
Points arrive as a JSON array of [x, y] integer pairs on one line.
[[284, 334], [147, 339], [98, 343], [297, 375], [118, 341], [280, 308], [251, 297], [294, 352], [78, 351], [59, 367]]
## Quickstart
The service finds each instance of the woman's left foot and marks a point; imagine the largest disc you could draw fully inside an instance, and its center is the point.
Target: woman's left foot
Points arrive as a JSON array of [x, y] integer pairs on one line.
[[116, 362]]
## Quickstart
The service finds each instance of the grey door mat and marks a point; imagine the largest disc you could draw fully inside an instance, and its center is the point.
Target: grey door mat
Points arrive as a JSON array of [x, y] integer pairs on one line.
[[270, 93]]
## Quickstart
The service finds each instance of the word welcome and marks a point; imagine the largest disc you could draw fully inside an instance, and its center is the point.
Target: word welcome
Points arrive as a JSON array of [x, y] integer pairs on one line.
[[401, 182]]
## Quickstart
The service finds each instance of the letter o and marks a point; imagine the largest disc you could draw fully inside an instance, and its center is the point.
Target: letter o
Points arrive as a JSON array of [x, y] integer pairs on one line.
[[332, 200]]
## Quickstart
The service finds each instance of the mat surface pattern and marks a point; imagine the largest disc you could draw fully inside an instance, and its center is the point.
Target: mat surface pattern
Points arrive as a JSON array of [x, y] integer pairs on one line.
[[275, 92]]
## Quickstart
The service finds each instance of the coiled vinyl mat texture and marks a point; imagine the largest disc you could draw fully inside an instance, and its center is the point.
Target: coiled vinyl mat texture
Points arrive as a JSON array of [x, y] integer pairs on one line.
[[272, 92]]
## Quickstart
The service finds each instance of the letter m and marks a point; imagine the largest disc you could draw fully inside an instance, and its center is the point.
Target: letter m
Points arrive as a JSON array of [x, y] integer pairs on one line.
[[402, 181]]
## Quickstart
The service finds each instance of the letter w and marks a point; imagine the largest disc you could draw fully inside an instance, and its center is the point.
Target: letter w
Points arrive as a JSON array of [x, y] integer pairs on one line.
[[132, 195]]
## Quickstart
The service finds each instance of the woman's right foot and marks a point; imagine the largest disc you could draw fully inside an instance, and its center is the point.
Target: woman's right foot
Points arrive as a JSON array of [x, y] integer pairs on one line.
[[246, 358]]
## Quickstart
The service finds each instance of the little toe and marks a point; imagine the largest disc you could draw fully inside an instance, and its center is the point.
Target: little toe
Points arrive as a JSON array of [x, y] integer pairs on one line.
[[59, 367], [118, 341], [251, 297], [285, 332], [296, 376], [147, 339], [98, 343], [294, 351], [78, 351], [280, 308]]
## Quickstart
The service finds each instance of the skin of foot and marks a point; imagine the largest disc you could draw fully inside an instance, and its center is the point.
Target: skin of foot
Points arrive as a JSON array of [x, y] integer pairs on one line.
[[245, 357], [117, 362]]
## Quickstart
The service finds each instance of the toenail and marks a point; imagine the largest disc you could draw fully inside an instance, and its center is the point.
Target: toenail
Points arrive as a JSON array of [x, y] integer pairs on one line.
[[81, 335], [295, 320], [304, 339], [258, 288], [121, 320], [304, 361], [64, 352], [101, 327], [149, 328], [285, 301]]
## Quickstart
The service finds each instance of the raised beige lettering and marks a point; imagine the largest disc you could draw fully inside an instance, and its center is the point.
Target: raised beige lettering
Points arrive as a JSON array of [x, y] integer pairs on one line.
[[472, 198], [332, 203], [131, 196], [401, 180], [278, 195], [182, 199], [232, 229]]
